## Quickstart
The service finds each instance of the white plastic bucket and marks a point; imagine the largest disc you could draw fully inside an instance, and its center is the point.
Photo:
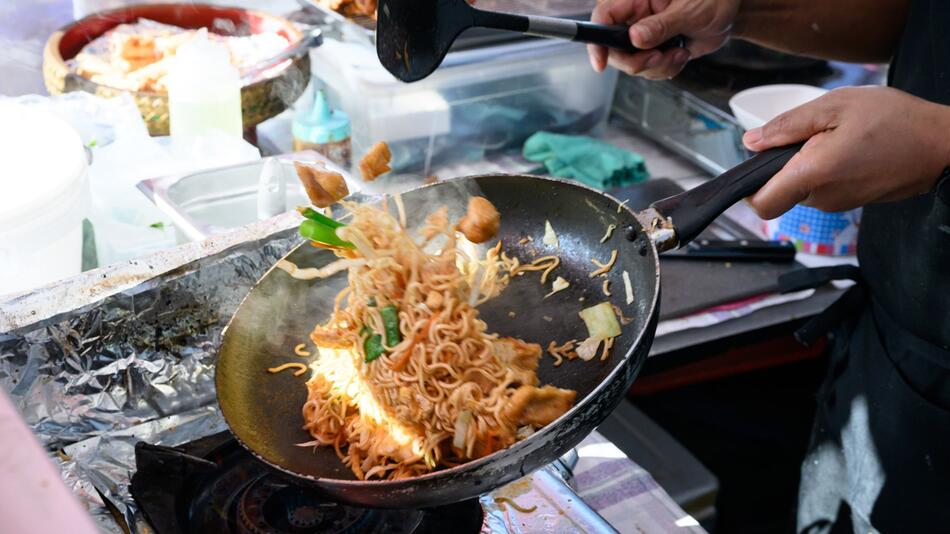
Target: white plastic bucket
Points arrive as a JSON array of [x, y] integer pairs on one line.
[[43, 198]]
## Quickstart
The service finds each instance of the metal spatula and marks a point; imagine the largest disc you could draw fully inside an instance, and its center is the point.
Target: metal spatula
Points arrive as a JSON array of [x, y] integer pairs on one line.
[[413, 36]]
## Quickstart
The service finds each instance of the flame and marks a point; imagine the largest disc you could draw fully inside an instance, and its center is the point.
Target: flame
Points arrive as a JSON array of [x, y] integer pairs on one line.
[[340, 367]]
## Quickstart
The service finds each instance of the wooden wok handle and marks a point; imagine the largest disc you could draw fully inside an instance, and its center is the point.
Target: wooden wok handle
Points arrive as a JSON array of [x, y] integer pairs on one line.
[[689, 213]]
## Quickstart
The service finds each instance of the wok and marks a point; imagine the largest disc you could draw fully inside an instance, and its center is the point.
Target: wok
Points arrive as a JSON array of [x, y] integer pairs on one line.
[[264, 410]]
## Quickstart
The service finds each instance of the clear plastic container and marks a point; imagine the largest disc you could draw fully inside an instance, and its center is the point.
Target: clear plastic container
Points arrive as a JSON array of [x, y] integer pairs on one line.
[[43, 199], [480, 103], [204, 90]]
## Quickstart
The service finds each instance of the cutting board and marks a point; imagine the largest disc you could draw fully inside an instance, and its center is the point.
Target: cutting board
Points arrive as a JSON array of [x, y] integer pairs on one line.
[[689, 286]]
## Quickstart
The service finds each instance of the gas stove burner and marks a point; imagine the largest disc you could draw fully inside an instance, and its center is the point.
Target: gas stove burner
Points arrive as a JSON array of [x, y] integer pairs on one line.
[[269, 505], [214, 485]]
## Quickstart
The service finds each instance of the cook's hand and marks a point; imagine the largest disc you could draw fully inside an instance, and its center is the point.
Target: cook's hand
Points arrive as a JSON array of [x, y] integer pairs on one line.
[[704, 23], [864, 145]]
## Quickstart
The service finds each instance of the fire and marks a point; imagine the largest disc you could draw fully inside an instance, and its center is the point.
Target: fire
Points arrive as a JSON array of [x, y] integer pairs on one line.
[[341, 368]]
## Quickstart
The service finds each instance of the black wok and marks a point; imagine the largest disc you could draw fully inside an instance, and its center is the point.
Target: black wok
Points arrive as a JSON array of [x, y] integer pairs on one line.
[[264, 410]]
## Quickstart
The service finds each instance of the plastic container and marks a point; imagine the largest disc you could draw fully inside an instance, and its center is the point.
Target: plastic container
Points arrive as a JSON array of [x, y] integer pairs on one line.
[[323, 130], [204, 90], [213, 201], [43, 198], [758, 105], [480, 102]]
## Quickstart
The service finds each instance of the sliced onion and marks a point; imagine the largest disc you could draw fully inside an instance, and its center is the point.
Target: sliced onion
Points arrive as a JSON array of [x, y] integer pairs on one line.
[[588, 349], [550, 238], [524, 432], [461, 429], [558, 285]]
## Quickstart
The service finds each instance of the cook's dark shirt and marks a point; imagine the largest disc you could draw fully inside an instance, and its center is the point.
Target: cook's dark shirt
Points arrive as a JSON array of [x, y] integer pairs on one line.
[[904, 247]]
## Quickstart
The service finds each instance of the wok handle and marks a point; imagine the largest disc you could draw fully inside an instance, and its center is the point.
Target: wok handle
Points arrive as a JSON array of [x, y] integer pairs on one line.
[[617, 37], [690, 212]]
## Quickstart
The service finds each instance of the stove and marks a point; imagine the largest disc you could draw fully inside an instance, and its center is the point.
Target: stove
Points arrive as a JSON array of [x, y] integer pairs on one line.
[[690, 114], [213, 484]]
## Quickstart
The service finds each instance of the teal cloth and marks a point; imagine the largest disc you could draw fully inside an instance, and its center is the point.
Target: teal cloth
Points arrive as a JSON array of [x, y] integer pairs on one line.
[[585, 159]]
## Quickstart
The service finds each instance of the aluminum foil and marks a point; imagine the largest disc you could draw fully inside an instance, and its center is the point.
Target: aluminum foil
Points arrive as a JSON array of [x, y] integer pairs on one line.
[[136, 365], [142, 354], [99, 469]]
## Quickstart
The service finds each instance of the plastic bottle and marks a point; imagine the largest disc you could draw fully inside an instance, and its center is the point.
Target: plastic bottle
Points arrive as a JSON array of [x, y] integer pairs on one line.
[[324, 131], [204, 90]]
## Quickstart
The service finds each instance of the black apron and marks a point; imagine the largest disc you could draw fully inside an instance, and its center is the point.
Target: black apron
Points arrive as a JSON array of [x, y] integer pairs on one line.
[[879, 458]]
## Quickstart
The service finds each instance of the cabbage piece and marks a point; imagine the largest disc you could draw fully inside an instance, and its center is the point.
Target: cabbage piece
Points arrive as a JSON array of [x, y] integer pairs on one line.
[[601, 321]]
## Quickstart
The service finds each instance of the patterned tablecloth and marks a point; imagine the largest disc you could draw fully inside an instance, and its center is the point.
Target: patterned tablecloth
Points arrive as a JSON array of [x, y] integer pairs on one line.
[[624, 493]]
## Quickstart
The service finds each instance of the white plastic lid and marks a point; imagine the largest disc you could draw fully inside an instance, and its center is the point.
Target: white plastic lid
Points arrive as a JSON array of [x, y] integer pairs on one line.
[[43, 163]]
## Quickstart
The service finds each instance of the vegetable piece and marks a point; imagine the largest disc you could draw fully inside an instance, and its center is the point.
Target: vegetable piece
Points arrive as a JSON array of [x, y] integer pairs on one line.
[[601, 321], [628, 287], [461, 429], [550, 238], [315, 215], [558, 285], [321, 233], [587, 349], [481, 221], [375, 162], [373, 345], [391, 324], [323, 187]]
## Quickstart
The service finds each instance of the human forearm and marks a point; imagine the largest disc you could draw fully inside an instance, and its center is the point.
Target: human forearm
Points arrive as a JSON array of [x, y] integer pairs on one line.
[[847, 30]]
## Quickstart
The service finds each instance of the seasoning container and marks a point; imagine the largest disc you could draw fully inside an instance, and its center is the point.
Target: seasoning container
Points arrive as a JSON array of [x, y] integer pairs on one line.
[[204, 90], [323, 130]]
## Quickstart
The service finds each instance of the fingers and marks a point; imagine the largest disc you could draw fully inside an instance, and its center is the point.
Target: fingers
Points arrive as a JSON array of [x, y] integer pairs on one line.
[[613, 12], [805, 179], [794, 125], [654, 30], [598, 57], [783, 191]]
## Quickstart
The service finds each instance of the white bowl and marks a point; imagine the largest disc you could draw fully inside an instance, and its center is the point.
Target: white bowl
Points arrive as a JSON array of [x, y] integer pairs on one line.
[[758, 105]]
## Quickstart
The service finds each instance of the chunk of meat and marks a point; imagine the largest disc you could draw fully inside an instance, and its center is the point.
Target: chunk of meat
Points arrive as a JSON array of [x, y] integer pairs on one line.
[[375, 162], [520, 357], [481, 221], [323, 187], [530, 405]]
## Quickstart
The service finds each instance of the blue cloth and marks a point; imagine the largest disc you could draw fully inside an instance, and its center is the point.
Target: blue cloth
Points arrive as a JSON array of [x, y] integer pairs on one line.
[[585, 159]]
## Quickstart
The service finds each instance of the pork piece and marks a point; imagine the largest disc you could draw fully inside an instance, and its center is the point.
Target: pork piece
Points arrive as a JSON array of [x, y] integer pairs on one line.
[[481, 221], [375, 162], [537, 407], [323, 187], [520, 357]]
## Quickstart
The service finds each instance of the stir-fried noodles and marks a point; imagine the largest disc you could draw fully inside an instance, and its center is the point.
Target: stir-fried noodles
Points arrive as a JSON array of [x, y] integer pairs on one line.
[[408, 378]]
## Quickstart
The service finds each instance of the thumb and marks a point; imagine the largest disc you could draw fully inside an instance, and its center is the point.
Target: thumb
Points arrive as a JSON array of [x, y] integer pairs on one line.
[[792, 126], [652, 31]]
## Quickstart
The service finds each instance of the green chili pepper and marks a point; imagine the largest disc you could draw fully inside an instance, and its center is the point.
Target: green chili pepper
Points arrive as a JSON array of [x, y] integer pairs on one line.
[[373, 346], [321, 233], [391, 324]]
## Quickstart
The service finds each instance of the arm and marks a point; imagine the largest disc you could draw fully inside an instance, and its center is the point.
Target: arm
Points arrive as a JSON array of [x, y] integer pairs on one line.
[[846, 30], [851, 30]]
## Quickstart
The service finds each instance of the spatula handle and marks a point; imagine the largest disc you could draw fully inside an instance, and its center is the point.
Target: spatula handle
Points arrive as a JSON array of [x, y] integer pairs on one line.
[[617, 37]]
